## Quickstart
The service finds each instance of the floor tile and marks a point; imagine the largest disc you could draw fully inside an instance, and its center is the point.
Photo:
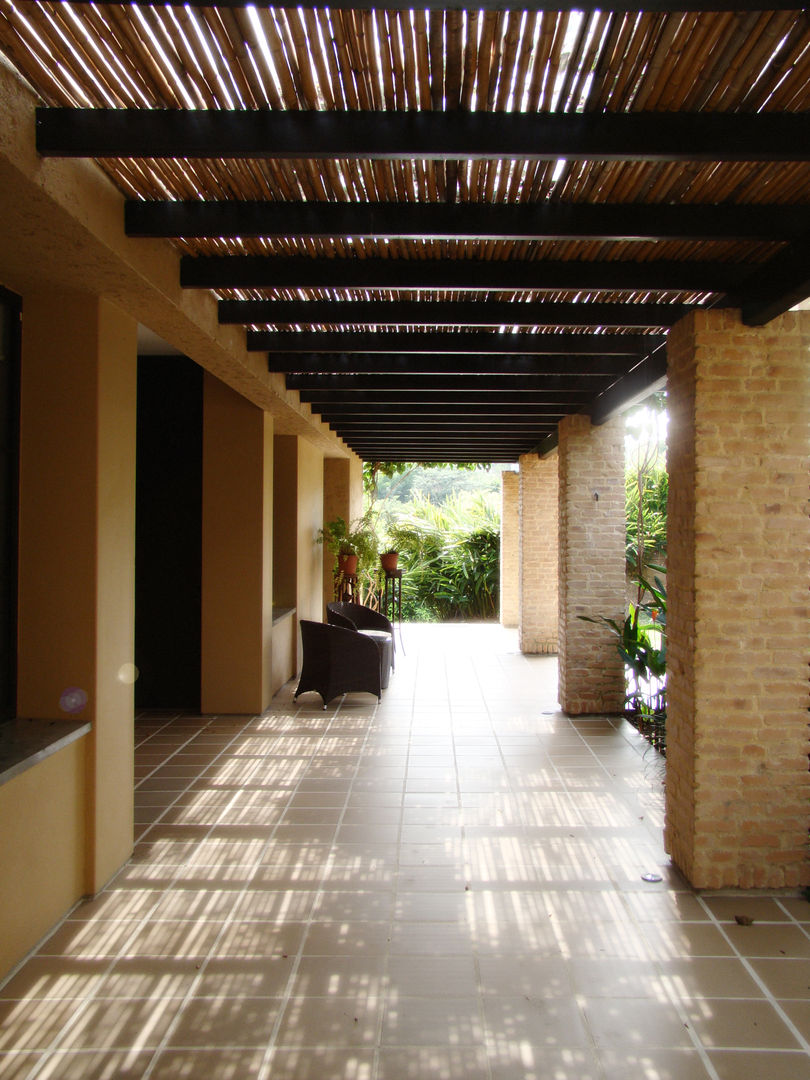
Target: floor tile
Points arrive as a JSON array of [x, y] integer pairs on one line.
[[447, 886]]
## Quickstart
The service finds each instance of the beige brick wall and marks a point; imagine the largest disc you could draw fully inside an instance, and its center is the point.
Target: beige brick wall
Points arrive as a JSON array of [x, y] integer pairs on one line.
[[510, 543], [738, 613], [592, 578], [538, 599]]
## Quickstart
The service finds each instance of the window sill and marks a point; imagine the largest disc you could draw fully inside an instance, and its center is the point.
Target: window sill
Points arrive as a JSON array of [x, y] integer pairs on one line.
[[24, 743]]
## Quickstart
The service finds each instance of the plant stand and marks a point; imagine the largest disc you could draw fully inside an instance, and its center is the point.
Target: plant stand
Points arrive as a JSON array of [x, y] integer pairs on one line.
[[392, 600]]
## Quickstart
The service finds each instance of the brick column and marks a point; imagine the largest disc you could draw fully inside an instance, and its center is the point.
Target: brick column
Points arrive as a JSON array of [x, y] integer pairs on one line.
[[538, 554], [738, 613], [510, 543], [592, 560]]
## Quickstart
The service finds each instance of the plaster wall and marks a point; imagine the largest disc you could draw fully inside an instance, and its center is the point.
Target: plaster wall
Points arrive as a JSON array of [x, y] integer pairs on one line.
[[236, 553], [42, 849]]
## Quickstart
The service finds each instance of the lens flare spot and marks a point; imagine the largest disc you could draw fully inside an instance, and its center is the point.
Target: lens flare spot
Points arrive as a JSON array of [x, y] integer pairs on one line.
[[73, 699], [128, 674]]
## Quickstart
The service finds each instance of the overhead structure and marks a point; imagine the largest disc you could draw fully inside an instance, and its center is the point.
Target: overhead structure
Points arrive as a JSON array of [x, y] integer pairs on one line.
[[448, 227]]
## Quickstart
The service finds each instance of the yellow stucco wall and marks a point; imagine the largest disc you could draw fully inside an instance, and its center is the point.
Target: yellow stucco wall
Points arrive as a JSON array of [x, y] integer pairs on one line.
[[42, 843], [236, 592]]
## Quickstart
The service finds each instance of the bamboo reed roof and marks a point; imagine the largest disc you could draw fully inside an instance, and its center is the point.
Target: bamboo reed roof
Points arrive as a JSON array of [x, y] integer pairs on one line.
[[749, 65]]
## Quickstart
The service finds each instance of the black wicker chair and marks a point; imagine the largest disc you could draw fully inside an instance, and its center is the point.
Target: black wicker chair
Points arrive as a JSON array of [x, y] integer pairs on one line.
[[337, 661], [362, 618]]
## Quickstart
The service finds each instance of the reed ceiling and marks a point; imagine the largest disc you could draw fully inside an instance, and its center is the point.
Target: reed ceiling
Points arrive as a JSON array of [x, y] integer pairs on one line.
[[425, 227]]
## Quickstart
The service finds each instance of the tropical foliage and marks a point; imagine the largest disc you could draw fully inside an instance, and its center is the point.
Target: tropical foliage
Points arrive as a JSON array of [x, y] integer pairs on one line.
[[451, 558]]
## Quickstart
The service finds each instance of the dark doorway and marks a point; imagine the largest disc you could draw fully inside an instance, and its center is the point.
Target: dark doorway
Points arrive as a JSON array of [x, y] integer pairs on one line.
[[168, 532], [10, 307]]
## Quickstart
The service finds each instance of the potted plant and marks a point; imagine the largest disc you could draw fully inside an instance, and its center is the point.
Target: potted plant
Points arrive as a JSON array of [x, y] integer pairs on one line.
[[353, 544], [388, 560]]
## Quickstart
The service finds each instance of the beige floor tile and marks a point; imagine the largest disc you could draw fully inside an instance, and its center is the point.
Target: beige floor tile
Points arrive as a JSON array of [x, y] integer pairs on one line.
[[763, 940], [526, 1061], [253, 977], [243, 938], [18, 1066], [173, 937], [56, 977], [635, 1023], [758, 908], [708, 976], [537, 1021], [33, 1024], [593, 978], [348, 939], [656, 1064], [146, 976], [431, 976], [785, 978], [671, 939], [721, 1022], [340, 976], [96, 1065], [334, 1022], [321, 1064], [226, 1063], [119, 1023], [443, 1021], [347, 906], [799, 1013], [435, 1063], [430, 939], [225, 1021], [797, 907], [753, 1064]]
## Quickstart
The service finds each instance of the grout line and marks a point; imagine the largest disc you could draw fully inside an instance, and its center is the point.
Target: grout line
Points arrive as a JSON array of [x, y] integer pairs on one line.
[[745, 961]]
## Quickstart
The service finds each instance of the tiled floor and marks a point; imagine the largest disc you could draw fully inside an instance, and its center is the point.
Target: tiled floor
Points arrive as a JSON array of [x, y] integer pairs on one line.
[[446, 887]]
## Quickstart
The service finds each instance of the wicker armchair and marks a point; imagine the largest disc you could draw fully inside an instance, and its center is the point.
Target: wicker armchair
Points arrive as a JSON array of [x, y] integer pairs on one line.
[[337, 661], [362, 618]]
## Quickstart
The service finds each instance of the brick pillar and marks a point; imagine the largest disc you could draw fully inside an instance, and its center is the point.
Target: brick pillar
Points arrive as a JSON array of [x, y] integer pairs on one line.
[[538, 554], [592, 560], [738, 613], [510, 543]]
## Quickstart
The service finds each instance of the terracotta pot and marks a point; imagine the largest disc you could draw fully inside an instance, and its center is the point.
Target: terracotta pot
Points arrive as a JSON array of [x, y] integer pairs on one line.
[[388, 560], [347, 564]]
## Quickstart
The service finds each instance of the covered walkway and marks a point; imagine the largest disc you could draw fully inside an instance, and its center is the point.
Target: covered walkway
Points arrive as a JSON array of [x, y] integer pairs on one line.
[[445, 887]]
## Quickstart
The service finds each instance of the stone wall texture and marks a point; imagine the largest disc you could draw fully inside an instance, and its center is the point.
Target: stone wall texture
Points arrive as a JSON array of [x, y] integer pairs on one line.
[[538, 616], [510, 545], [738, 611], [592, 560]]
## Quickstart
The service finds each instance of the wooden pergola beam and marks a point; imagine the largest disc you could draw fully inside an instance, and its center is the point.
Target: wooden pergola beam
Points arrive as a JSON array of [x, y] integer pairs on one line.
[[262, 271], [444, 364], [477, 343], [491, 313], [422, 135], [465, 221]]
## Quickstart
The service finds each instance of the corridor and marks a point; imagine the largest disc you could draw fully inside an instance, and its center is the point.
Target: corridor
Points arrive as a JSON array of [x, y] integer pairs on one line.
[[448, 886]]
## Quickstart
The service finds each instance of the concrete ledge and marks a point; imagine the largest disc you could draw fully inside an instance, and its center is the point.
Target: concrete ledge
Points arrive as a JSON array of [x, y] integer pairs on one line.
[[24, 743]]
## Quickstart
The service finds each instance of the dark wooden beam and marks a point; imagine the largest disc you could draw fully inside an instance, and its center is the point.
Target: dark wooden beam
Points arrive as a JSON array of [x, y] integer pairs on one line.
[[637, 384], [465, 221], [652, 6], [362, 410], [449, 313], [416, 398], [495, 384], [261, 271], [474, 342], [408, 135], [778, 286], [438, 426], [430, 364]]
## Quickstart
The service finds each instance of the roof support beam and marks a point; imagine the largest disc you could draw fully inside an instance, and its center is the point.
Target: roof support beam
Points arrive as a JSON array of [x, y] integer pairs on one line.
[[400, 135], [362, 410], [495, 384], [449, 313], [465, 221], [643, 380], [431, 364], [778, 286], [293, 272], [653, 6], [477, 343]]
